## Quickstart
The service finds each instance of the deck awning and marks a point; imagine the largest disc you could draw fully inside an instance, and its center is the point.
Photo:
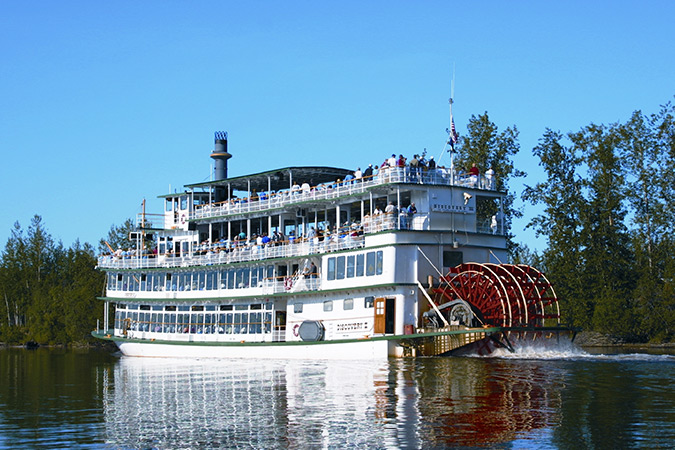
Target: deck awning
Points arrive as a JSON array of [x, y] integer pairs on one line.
[[279, 178]]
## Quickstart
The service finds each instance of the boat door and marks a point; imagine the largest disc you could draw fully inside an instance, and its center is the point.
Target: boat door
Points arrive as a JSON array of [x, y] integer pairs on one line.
[[384, 315]]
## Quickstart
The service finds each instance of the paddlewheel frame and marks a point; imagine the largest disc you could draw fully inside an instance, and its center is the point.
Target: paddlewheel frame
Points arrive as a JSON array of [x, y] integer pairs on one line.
[[502, 295]]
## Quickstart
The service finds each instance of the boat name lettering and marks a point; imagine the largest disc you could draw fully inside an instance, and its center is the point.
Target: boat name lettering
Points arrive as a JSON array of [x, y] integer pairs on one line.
[[351, 326], [447, 207]]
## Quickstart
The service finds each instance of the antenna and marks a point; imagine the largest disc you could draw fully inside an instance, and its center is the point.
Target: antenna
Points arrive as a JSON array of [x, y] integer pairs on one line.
[[452, 133]]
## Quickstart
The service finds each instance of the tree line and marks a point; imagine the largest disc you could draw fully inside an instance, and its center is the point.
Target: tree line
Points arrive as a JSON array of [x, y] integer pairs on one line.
[[605, 209]]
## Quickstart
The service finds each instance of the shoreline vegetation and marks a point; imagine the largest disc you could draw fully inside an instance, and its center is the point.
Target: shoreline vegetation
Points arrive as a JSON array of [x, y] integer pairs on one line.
[[605, 209]]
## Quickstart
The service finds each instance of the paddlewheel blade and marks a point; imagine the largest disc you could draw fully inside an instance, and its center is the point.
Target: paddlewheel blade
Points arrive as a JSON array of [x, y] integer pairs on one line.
[[506, 295]]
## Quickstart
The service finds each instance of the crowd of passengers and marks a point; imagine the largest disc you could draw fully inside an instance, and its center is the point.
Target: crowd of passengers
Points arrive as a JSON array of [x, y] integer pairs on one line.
[[324, 239], [418, 169]]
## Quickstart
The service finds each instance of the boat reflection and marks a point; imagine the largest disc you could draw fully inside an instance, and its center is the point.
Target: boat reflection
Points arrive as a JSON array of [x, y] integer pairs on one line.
[[431, 402]]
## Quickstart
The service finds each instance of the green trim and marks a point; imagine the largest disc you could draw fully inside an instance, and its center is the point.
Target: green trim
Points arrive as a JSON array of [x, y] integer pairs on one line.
[[108, 337], [244, 297], [401, 337]]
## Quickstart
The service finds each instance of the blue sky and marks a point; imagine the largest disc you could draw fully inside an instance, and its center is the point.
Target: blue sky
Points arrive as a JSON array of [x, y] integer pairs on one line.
[[103, 104]]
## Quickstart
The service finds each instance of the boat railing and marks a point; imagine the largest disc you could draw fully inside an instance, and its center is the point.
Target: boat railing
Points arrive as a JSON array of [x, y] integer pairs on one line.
[[301, 283], [284, 197], [244, 253]]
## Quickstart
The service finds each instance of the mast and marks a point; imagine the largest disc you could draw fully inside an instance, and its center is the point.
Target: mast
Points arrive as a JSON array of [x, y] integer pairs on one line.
[[452, 132]]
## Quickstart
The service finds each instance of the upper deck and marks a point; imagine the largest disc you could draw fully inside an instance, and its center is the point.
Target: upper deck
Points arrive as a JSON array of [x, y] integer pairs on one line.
[[217, 206]]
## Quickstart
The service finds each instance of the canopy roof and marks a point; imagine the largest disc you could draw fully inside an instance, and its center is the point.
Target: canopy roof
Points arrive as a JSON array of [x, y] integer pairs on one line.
[[279, 178]]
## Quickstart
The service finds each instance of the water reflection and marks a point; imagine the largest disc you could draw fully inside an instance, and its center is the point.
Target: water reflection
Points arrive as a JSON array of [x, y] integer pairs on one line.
[[566, 399], [400, 403]]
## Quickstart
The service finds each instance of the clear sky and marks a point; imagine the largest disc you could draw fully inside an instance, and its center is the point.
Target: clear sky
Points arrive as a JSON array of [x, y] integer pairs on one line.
[[103, 104]]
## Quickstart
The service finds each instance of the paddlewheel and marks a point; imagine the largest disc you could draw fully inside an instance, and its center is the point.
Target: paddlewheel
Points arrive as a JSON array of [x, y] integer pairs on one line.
[[502, 295]]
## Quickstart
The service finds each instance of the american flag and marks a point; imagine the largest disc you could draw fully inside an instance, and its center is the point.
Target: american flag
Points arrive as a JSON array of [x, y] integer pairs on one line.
[[453, 131]]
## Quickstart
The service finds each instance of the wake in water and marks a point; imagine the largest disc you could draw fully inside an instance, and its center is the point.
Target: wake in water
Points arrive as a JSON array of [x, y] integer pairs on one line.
[[569, 351]]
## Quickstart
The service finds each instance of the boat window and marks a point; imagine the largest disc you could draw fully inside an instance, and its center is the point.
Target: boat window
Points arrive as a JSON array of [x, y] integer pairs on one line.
[[241, 307], [230, 279], [169, 204], [331, 268], [340, 269], [198, 308], [380, 263], [210, 307], [183, 308], [121, 306], [267, 322], [157, 307], [360, 264], [370, 264], [145, 307], [351, 261], [297, 308], [256, 323], [170, 308], [133, 306], [226, 307], [328, 305], [348, 304], [256, 306], [268, 306], [183, 202], [369, 302], [211, 280], [254, 277]]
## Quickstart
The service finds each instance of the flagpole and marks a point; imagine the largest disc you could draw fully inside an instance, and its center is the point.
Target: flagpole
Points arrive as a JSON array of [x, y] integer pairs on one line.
[[452, 133]]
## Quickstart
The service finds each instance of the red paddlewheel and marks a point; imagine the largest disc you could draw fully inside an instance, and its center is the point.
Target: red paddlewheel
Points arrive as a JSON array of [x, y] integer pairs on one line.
[[483, 289], [501, 294], [545, 295]]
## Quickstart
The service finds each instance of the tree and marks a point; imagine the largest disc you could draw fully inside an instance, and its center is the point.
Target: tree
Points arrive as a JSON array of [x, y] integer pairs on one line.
[[485, 146], [647, 149], [118, 237], [560, 221]]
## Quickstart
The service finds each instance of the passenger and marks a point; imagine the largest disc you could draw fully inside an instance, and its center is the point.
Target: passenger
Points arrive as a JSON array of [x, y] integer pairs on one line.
[[358, 175], [295, 189], [368, 173], [415, 168], [490, 179], [474, 175]]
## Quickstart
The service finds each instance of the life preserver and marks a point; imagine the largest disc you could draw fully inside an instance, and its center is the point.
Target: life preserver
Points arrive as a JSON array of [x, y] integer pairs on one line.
[[288, 284], [295, 330], [182, 218]]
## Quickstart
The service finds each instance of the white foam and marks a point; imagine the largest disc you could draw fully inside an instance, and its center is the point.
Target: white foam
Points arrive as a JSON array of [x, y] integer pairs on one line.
[[571, 352]]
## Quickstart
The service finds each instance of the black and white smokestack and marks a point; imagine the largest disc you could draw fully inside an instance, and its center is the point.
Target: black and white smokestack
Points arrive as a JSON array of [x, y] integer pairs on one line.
[[220, 155]]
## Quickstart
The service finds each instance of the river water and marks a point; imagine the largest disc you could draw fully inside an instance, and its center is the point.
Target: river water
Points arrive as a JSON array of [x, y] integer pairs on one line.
[[560, 398]]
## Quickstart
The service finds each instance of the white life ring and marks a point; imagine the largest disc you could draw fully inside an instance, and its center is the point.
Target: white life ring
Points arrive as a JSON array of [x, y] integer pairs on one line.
[[296, 329], [288, 284], [182, 218]]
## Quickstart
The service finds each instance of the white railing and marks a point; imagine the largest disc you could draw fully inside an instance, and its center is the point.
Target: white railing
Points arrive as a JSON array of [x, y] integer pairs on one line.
[[291, 284], [263, 201]]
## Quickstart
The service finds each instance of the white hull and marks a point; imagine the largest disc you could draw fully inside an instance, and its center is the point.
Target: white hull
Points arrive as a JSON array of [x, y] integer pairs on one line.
[[355, 350]]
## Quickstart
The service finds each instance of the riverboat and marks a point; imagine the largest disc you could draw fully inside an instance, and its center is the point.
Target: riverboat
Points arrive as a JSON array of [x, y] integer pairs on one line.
[[324, 262]]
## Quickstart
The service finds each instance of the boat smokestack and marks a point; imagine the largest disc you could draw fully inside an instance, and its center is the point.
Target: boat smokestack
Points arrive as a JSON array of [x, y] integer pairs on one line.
[[220, 155]]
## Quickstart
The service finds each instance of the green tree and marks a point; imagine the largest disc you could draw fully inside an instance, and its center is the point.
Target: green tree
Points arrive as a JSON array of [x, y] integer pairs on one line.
[[560, 222], [118, 238], [488, 148], [647, 149], [604, 234]]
